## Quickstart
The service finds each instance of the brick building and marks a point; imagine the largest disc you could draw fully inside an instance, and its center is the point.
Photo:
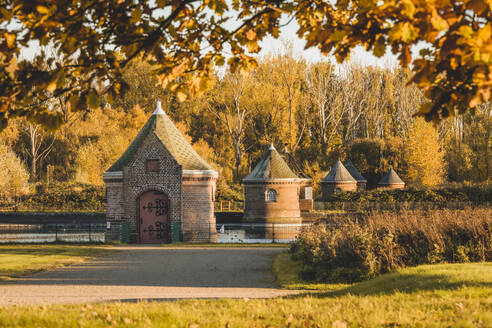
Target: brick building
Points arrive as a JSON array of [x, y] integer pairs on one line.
[[306, 202], [162, 187], [337, 180], [361, 181], [391, 180], [271, 195]]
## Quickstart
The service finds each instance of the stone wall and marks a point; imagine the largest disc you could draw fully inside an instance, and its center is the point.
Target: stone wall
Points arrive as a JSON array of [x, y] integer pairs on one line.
[[137, 181]]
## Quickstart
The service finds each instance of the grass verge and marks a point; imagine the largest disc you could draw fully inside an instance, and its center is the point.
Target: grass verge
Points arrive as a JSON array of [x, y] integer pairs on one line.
[[445, 295], [18, 260], [287, 271]]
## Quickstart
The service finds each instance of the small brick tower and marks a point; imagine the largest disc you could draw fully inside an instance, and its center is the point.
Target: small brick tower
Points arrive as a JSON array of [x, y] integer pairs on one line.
[[339, 179], [391, 180], [361, 181], [162, 187], [306, 202], [271, 195]]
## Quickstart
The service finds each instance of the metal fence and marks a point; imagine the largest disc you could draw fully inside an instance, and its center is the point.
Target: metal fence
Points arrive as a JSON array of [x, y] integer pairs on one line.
[[48, 233], [243, 232], [258, 232]]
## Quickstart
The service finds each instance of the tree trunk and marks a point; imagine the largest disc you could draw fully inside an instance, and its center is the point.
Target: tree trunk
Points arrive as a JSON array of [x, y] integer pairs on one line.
[[33, 168], [238, 159]]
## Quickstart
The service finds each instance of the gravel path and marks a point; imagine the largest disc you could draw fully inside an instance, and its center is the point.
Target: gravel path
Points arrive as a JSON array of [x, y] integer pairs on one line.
[[152, 273]]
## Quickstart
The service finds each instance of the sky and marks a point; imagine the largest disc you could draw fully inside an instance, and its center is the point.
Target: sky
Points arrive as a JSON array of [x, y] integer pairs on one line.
[[288, 34]]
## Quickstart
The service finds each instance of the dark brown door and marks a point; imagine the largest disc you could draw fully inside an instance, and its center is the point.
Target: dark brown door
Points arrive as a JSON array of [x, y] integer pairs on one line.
[[154, 218]]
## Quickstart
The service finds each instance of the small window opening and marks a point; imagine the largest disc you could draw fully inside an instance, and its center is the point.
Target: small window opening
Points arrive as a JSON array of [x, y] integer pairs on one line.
[[152, 165], [271, 195]]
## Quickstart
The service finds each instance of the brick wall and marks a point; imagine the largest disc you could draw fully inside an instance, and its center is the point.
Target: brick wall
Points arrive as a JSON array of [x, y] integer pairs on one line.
[[284, 210], [191, 198], [137, 181], [115, 202], [391, 186], [361, 186], [329, 188], [198, 206]]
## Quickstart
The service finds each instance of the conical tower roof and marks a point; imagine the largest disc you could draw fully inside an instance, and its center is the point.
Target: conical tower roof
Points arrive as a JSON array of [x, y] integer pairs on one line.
[[164, 129], [339, 173], [293, 164], [391, 178], [354, 172], [271, 166]]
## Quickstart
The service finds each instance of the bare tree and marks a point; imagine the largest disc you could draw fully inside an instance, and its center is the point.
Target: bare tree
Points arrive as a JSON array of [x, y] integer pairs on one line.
[[230, 110], [39, 146], [323, 88]]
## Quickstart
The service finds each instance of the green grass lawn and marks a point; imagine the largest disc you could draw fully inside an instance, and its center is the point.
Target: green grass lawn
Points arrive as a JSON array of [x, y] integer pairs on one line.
[[446, 295], [287, 271], [17, 260]]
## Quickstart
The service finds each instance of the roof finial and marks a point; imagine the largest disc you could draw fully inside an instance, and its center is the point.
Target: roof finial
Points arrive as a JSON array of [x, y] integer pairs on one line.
[[272, 147], [286, 150], [158, 109]]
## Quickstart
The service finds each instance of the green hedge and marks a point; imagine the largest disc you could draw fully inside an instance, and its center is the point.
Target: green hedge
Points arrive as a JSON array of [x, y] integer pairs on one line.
[[476, 194], [59, 197]]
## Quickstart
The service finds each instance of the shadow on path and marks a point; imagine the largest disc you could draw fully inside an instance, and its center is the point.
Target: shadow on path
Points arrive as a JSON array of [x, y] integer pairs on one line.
[[167, 267]]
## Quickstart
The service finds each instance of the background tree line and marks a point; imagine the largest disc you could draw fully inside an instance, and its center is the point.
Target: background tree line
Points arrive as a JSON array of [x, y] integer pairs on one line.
[[318, 111]]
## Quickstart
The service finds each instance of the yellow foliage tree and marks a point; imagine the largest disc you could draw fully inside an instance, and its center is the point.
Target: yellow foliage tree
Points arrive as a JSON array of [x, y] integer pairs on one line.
[[109, 132], [423, 155], [13, 174]]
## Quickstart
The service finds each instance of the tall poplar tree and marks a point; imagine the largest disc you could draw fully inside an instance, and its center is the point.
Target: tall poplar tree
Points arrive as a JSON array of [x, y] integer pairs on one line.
[[423, 154]]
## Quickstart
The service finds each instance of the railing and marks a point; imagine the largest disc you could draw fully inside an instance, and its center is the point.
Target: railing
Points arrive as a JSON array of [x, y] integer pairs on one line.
[[228, 205], [242, 232], [48, 233]]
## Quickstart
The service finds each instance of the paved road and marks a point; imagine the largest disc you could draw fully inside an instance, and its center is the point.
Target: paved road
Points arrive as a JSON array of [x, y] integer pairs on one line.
[[152, 273]]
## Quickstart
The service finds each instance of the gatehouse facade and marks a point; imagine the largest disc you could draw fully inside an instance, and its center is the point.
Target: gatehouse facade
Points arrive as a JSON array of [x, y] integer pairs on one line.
[[161, 187]]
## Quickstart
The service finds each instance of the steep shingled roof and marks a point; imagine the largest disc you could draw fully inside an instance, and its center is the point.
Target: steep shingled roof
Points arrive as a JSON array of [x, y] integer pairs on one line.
[[354, 172], [271, 166], [162, 126], [391, 178], [293, 164], [339, 173]]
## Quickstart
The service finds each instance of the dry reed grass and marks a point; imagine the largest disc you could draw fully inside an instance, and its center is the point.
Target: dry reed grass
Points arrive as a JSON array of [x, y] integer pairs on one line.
[[347, 250]]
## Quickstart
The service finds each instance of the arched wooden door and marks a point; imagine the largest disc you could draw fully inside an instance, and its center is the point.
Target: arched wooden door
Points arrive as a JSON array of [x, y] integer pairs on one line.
[[154, 222]]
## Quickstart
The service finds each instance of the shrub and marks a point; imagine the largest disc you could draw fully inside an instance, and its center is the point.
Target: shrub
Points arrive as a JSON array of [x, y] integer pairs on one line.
[[476, 194], [61, 197], [13, 174], [348, 251]]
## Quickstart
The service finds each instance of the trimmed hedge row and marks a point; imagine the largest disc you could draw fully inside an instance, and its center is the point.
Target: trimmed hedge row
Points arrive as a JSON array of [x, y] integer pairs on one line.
[[59, 197], [475, 194]]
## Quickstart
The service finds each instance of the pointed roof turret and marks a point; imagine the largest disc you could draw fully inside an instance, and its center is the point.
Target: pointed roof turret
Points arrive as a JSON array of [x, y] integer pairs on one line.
[[354, 172], [391, 178], [163, 128], [339, 173], [293, 164], [158, 109], [271, 166]]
